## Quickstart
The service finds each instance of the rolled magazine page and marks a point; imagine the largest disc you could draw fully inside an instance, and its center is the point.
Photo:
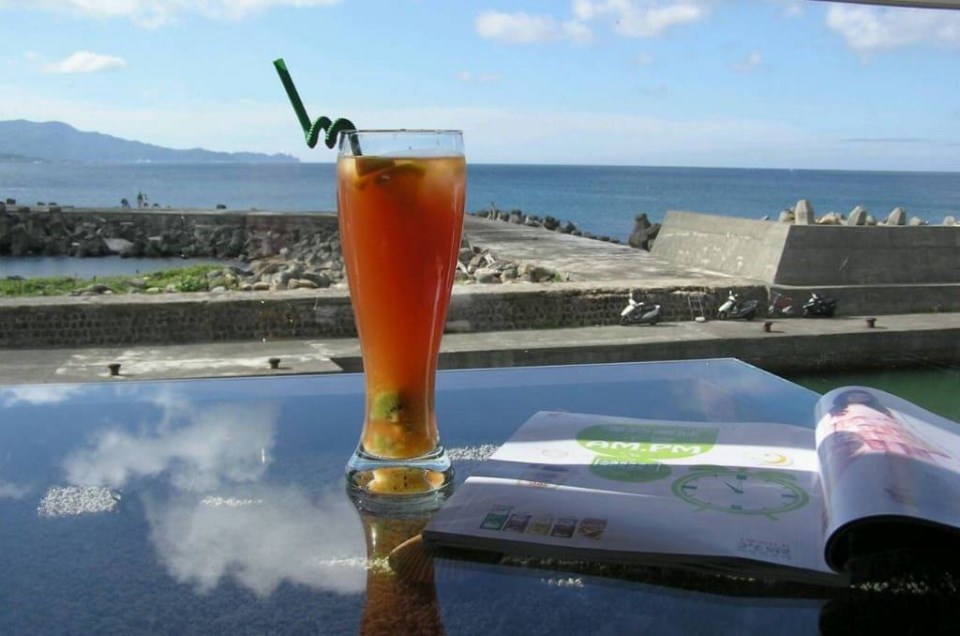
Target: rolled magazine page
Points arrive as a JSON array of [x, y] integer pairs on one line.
[[890, 472]]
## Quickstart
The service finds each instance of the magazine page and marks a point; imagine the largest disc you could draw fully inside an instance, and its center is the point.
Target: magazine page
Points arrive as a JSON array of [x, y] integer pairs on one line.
[[586, 486], [891, 470]]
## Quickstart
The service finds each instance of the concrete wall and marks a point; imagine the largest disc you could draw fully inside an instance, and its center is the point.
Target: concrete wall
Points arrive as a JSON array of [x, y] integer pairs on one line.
[[859, 300], [811, 255], [829, 352], [863, 255], [249, 316], [741, 247]]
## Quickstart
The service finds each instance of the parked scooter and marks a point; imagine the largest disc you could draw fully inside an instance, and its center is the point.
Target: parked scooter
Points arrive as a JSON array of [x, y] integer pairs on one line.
[[819, 307], [781, 305], [736, 309], [639, 313]]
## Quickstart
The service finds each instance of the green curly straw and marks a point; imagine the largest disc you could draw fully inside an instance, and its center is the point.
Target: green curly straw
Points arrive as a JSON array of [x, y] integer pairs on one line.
[[312, 131]]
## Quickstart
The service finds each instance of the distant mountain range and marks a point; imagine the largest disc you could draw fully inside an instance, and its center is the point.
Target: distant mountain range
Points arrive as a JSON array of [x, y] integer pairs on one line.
[[54, 141]]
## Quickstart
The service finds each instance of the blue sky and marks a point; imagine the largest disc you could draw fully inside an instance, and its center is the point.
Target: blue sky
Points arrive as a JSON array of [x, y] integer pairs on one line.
[[758, 83]]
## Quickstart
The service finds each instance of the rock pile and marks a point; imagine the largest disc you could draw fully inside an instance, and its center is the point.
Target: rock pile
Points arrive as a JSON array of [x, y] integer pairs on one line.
[[802, 214], [316, 262], [51, 232], [547, 222]]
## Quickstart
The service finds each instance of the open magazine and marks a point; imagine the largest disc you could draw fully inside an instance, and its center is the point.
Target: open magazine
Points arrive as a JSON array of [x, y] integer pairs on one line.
[[876, 474]]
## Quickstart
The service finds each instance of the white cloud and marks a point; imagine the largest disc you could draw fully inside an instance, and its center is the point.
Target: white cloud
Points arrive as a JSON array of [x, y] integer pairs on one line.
[[629, 18], [643, 59], [281, 536], [868, 29], [641, 18], [468, 77], [38, 394], [12, 491], [155, 13], [523, 28], [751, 62], [791, 8], [85, 62], [197, 448], [577, 31]]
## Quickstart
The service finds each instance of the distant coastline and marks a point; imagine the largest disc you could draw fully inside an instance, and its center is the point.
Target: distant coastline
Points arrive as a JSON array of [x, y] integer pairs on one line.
[[57, 142]]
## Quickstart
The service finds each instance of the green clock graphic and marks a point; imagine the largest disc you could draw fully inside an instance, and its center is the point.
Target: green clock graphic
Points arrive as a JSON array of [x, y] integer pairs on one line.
[[739, 491]]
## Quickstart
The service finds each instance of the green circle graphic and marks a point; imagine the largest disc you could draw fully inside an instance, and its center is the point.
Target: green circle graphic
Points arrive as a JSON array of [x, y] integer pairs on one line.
[[647, 443]]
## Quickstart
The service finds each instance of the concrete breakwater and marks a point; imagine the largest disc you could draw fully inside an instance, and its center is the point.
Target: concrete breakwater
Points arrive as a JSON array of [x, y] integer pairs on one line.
[[324, 313], [87, 232], [727, 254], [284, 250]]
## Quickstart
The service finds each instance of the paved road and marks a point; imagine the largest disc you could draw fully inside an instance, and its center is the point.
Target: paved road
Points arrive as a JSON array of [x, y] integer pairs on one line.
[[798, 341]]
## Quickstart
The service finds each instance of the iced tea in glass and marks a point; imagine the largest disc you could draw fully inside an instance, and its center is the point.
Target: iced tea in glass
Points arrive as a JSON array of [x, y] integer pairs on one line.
[[400, 197]]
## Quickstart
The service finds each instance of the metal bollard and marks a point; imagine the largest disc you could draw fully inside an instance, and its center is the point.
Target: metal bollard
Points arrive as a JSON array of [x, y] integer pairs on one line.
[[114, 368], [274, 363], [871, 323], [766, 325]]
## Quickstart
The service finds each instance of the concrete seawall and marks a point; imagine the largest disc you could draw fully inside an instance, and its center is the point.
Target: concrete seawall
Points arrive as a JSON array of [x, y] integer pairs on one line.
[[601, 276], [811, 255], [881, 270], [255, 316]]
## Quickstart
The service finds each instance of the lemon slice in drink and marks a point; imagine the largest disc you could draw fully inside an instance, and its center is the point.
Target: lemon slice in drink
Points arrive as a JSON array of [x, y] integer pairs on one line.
[[383, 169]]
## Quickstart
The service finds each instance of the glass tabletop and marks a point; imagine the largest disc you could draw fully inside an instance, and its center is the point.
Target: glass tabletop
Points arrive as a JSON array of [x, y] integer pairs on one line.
[[218, 506]]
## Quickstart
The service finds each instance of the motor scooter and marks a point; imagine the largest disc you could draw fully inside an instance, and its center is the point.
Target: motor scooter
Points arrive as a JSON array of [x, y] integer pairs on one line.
[[736, 309], [819, 307], [639, 313], [780, 304]]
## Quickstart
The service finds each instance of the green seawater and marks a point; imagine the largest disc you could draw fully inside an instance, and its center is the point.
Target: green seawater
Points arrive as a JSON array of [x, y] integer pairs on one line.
[[935, 389]]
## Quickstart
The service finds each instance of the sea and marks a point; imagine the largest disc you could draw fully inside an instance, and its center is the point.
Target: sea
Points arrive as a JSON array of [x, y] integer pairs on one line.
[[600, 199]]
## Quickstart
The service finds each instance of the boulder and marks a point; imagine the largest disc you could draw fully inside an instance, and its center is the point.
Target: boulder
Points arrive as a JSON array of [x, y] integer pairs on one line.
[[118, 246], [803, 213], [916, 221], [830, 218], [897, 217], [319, 279], [786, 216], [858, 216], [640, 236], [949, 220], [871, 220], [487, 275], [535, 273]]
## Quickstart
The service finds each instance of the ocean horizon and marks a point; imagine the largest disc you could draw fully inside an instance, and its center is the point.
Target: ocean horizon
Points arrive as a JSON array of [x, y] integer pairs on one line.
[[600, 199]]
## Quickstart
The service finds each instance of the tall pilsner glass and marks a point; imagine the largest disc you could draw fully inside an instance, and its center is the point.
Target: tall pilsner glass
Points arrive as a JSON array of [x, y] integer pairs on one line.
[[400, 196]]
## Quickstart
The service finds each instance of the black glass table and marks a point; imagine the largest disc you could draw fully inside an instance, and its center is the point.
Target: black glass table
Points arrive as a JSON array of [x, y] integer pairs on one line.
[[218, 506]]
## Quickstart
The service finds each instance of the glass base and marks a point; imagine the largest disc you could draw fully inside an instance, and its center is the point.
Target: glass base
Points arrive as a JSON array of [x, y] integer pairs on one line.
[[381, 483]]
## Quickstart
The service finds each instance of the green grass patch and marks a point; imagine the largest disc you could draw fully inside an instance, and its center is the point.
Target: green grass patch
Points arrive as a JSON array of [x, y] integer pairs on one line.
[[185, 279]]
